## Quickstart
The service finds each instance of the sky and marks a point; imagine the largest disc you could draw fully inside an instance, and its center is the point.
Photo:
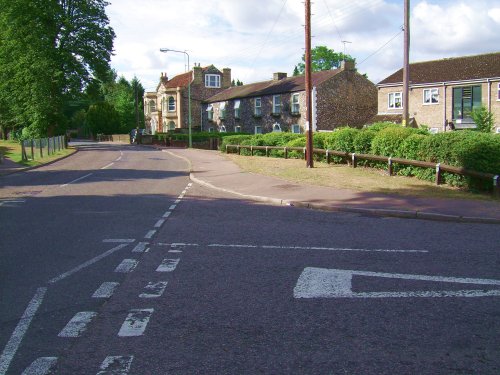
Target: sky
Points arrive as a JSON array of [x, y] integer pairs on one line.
[[256, 38]]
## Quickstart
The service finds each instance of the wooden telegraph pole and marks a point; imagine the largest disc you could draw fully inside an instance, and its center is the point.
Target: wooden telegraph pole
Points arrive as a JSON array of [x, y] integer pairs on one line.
[[309, 130], [406, 66]]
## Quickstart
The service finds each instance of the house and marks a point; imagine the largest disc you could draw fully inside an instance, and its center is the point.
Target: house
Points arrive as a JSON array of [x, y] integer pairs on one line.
[[343, 97], [167, 107], [444, 90]]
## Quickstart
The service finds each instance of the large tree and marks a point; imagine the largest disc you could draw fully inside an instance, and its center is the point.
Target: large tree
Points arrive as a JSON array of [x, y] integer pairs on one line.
[[50, 50], [322, 58]]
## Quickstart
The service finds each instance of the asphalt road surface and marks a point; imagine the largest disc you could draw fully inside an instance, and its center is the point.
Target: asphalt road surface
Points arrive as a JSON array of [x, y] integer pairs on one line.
[[112, 262]]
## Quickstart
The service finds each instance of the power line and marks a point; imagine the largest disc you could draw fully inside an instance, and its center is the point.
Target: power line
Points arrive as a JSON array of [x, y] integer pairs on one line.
[[378, 50]]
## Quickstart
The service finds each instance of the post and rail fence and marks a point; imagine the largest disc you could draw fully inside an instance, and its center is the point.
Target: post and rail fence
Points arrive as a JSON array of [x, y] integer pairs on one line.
[[32, 149], [352, 159]]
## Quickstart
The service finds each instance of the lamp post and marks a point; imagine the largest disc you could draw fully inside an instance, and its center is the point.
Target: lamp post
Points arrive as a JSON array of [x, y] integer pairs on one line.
[[189, 92]]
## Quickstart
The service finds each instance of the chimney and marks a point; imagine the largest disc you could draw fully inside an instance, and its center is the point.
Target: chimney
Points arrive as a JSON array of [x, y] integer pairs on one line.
[[347, 65], [226, 78], [279, 76], [197, 75]]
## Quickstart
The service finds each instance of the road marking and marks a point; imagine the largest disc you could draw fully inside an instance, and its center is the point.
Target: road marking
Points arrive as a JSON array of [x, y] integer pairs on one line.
[[119, 240], [17, 336], [78, 179], [41, 366], [172, 207], [314, 248], [177, 201], [87, 263], [154, 290], [334, 283], [115, 365], [11, 202], [190, 184], [175, 251], [159, 223], [166, 214], [140, 247], [127, 265], [168, 265], [106, 290], [150, 234], [78, 324], [107, 166], [135, 323], [175, 244]]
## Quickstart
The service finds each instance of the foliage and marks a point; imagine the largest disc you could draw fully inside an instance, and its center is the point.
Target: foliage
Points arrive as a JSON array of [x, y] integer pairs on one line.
[[484, 119], [322, 58], [102, 118]]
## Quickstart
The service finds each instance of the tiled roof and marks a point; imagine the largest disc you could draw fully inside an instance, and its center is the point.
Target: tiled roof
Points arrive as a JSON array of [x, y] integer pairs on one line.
[[448, 70], [271, 87], [179, 80]]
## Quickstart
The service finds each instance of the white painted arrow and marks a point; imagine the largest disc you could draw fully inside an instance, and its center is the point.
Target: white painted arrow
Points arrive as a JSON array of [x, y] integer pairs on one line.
[[333, 283]]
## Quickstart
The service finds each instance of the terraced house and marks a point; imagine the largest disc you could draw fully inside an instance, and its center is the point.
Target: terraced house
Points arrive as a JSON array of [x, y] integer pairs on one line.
[[343, 97], [444, 91]]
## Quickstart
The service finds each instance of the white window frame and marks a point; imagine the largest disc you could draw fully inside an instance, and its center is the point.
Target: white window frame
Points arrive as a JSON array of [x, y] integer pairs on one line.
[[295, 104], [276, 104], [258, 129], [171, 104], [276, 128], [237, 112], [431, 93], [257, 109], [222, 110], [212, 80], [498, 93], [392, 102], [296, 129], [210, 112], [237, 129], [222, 129]]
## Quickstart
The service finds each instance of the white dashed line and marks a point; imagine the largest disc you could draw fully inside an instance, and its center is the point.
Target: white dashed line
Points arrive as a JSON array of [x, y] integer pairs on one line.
[[116, 365], [136, 322], [106, 290], [172, 207], [107, 166], [150, 234], [168, 265], [159, 223], [78, 179], [119, 240], [166, 214], [78, 324], [41, 366], [127, 265], [154, 290], [177, 201], [175, 251], [140, 247]]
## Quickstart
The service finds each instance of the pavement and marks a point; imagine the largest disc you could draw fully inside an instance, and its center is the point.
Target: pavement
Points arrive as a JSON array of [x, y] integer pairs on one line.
[[213, 170]]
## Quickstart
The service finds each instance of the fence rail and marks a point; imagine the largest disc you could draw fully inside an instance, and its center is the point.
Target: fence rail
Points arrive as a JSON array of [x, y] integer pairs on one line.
[[39, 148], [353, 158]]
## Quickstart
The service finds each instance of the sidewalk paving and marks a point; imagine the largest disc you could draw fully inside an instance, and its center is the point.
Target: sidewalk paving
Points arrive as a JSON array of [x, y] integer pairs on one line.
[[212, 169]]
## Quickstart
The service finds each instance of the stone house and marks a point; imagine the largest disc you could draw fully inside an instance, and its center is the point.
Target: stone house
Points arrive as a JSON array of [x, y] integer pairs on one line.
[[167, 107], [444, 90], [343, 97]]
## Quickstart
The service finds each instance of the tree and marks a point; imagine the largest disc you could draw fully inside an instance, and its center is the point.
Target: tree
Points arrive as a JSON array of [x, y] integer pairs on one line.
[[102, 118], [484, 119], [322, 58]]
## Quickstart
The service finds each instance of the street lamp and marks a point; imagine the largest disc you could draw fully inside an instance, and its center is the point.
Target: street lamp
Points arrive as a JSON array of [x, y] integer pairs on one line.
[[189, 92]]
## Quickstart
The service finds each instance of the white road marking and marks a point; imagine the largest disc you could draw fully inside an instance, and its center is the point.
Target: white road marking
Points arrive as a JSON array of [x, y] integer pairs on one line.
[[334, 283], [168, 265], [127, 265], [190, 184], [159, 223], [177, 201], [78, 179], [176, 244], [140, 247], [175, 251], [106, 289], [166, 214], [87, 263], [150, 234], [116, 365], [17, 336], [172, 207], [107, 166], [119, 240], [136, 322], [154, 290], [78, 324], [41, 366], [184, 192], [11, 202], [315, 248]]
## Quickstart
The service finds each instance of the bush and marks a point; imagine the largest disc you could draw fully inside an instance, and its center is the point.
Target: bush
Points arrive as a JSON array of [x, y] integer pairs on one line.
[[362, 141], [389, 140], [483, 119], [233, 140]]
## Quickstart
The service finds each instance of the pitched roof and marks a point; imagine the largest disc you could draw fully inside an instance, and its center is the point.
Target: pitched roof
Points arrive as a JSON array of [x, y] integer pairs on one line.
[[271, 87], [182, 80], [448, 70]]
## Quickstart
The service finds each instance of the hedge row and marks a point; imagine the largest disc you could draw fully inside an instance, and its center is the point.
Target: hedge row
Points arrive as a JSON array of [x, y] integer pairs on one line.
[[468, 149], [195, 136]]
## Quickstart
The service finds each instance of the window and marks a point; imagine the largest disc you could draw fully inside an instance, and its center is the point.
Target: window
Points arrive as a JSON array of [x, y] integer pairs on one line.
[[152, 106], [465, 100], [210, 112], [296, 128], [395, 100], [276, 127], [237, 112], [431, 96], [498, 93], [295, 104], [171, 104], [222, 129], [258, 130], [211, 129], [257, 107], [237, 129], [222, 110], [171, 125], [276, 104], [212, 80]]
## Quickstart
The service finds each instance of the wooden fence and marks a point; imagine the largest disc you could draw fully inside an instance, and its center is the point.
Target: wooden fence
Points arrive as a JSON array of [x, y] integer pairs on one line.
[[40, 148], [353, 158]]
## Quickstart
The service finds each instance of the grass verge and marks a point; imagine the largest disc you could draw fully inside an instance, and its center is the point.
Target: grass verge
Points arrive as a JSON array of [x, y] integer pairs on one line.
[[12, 151]]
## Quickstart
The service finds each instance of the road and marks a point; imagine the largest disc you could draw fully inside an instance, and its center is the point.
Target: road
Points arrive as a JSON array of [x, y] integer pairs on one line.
[[113, 262]]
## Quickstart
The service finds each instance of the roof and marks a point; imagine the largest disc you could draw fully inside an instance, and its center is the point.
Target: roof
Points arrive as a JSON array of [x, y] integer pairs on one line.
[[449, 70], [182, 80], [271, 87]]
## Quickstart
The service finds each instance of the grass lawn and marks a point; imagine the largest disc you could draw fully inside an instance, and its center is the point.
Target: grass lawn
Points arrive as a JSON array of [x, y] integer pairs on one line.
[[344, 177], [12, 151]]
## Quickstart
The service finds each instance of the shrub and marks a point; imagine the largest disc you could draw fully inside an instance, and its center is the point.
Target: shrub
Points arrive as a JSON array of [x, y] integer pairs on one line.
[[389, 140], [483, 119], [362, 141], [233, 140], [378, 126]]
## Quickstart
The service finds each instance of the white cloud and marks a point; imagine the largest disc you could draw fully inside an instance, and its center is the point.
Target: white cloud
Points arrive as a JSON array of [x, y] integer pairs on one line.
[[495, 14]]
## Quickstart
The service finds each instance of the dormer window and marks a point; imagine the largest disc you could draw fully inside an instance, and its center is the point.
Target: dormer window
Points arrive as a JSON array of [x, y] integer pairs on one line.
[[212, 80]]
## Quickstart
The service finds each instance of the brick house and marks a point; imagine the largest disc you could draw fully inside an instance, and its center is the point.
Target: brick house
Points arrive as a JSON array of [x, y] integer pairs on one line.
[[444, 90], [343, 98], [167, 107]]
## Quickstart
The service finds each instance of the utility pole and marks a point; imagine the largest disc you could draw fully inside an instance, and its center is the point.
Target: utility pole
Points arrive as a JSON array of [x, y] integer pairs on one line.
[[309, 131], [406, 66]]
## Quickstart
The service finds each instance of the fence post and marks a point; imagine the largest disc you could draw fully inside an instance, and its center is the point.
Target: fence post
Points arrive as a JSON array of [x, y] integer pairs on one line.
[[24, 157], [286, 153], [304, 153], [354, 161], [238, 149], [251, 150], [267, 151], [496, 187], [327, 156], [389, 162], [227, 150], [438, 173], [41, 148], [48, 147], [32, 150]]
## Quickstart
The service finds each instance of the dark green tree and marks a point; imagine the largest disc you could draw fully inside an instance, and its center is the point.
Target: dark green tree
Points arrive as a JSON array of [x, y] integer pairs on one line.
[[322, 58], [102, 118]]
